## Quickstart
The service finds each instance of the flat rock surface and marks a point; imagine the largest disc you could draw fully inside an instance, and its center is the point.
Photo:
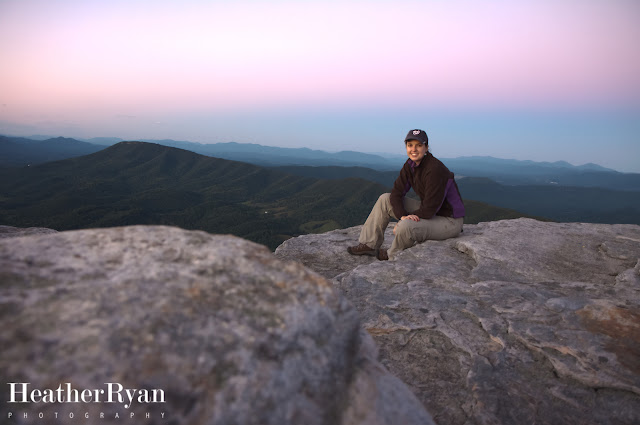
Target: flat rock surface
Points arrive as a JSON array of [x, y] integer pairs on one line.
[[513, 322], [228, 332]]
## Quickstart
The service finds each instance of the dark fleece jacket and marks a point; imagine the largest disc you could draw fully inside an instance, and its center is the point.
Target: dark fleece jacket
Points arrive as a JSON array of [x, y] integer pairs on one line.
[[434, 184]]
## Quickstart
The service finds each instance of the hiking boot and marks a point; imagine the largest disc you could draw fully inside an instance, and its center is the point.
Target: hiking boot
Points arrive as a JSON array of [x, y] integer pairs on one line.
[[382, 255], [361, 249]]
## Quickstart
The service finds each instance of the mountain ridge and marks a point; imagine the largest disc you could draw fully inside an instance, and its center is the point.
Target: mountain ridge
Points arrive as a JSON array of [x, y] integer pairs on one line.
[[295, 156], [20, 151], [143, 183], [528, 189], [556, 202], [555, 164]]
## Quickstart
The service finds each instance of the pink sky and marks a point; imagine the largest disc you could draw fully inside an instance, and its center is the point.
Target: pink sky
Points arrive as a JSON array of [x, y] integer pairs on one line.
[[79, 64]]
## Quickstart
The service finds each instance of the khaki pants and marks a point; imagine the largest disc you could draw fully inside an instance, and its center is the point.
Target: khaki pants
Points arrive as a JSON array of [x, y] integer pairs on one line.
[[408, 232]]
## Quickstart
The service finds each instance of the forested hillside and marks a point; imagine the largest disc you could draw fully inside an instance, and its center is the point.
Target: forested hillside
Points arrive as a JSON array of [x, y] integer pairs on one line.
[[143, 183]]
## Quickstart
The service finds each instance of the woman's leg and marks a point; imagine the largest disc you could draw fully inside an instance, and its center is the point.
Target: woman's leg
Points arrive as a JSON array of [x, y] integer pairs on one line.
[[409, 232], [372, 233]]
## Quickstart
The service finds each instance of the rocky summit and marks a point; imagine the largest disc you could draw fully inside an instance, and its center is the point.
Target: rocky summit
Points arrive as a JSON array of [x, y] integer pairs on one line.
[[159, 325], [513, 322]]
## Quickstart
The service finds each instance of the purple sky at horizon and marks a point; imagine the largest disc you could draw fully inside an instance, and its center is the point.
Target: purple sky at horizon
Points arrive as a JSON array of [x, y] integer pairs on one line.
[[542, 80]]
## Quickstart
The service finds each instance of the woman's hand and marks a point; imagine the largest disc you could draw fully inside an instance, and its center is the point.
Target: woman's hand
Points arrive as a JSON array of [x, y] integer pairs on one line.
[[406, 217], [410, 217]]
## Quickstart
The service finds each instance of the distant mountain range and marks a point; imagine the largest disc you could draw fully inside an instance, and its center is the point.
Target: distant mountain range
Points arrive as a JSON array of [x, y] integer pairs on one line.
[[558, 191], [274, 156], [21, 151], [504, 171], [488, 161], [514, 172], [556, 202], [143, 183], [559, 203]]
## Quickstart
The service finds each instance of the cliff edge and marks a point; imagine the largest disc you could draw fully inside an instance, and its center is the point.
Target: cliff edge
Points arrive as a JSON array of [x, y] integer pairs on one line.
[[515, 321]]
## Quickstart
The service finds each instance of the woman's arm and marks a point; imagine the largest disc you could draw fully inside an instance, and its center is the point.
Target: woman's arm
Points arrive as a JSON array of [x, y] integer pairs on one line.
[[433, 185]]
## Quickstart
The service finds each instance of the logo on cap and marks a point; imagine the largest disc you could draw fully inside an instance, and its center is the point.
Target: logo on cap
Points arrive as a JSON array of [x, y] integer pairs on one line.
[[416, 132]]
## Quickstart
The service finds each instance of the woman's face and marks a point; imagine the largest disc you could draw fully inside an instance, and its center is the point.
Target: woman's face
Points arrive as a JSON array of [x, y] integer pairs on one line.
[[416, 150]]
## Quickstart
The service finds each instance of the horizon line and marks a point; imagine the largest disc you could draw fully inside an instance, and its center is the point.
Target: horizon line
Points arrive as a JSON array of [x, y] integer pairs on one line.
[[41, 137]]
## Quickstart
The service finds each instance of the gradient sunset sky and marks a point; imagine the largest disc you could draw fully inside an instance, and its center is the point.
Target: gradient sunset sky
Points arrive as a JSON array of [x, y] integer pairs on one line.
[[544, 80]]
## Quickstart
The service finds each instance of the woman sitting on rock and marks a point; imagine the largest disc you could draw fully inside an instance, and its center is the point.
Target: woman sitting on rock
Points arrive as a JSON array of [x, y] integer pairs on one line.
[[438, 215]]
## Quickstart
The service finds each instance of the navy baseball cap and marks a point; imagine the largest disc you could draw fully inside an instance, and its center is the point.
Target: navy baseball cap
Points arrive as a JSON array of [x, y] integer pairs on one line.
[[418, 135]]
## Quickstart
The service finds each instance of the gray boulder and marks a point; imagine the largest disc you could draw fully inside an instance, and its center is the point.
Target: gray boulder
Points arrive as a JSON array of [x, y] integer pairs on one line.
[[513, 322], [201, 329]]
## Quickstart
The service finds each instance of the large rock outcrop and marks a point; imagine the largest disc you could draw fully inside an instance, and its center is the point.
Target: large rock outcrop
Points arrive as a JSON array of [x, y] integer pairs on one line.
[[513, 322], [227, 332]]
